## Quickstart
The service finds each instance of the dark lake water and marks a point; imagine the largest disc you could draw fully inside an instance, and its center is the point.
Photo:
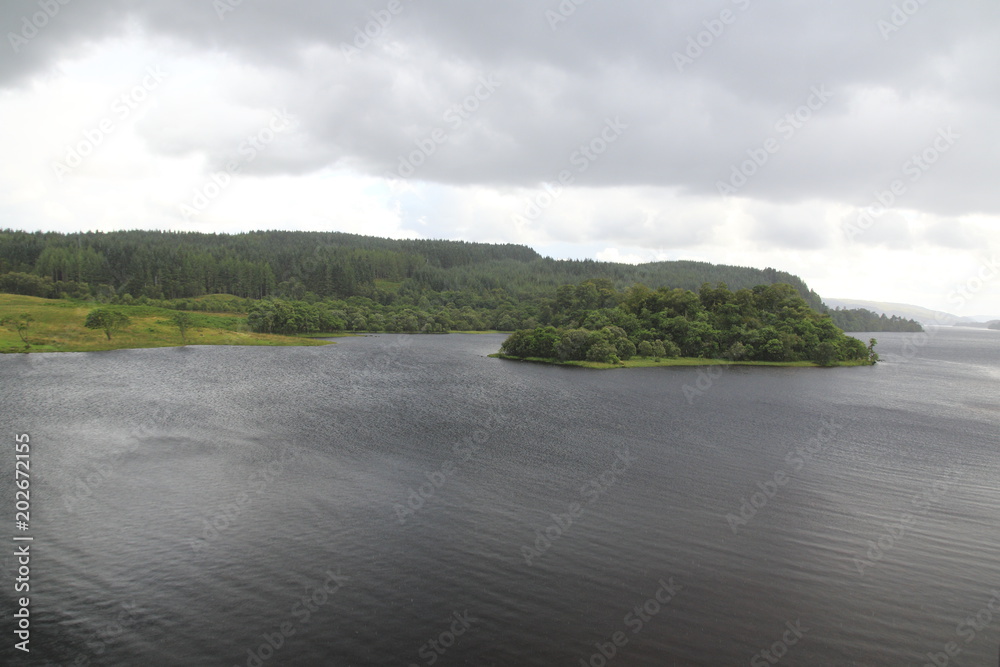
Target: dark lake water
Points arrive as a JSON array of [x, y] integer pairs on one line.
[[405, 500]]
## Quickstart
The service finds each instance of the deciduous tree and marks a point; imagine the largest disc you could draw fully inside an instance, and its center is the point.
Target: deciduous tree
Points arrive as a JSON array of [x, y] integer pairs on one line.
[[183, 321], [107, 320], [21, 324]]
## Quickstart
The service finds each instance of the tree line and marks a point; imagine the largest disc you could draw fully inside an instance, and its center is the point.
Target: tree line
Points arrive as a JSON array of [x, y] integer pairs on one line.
[[862, 319]]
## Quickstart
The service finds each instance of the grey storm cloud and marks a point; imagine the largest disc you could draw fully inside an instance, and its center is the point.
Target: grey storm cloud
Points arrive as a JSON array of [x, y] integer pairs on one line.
[[509, 94], [890, 230], [776, 227]]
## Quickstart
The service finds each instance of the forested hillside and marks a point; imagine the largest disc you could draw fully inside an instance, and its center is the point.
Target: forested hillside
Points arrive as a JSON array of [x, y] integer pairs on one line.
[[366, 283], [310, 265]]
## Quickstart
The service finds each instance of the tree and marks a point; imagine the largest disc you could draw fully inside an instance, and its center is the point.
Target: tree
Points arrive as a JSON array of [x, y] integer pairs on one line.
[[542, 343], [183, 321], [107, 320], [516, 345], [539, 342], [852, 349], [603, 351], [826, 354], [872, 354], [774, 350], [738, 351], [670, 349], [21, 324], [625, 348], [646, 348], [572, 345]]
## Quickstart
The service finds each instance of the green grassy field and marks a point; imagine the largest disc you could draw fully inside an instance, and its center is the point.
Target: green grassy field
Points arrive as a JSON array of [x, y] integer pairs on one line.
[[58, 327], [646, 362]]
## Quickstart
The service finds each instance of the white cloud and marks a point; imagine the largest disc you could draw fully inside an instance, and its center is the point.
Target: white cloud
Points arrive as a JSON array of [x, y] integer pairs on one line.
[[650, 194], [615, 255]]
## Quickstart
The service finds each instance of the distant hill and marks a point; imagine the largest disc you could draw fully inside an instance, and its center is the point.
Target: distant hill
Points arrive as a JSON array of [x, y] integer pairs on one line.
[[863, 319], [919, 313], [324, 265]]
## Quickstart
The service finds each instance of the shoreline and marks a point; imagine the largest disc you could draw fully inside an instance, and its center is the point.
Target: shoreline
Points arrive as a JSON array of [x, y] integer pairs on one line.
[[645, 362]]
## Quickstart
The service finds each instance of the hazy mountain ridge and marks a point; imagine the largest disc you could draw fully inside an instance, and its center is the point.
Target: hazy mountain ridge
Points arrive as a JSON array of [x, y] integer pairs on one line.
[[910, 311]]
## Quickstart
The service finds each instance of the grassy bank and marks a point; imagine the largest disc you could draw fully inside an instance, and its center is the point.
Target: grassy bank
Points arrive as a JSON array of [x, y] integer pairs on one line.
[[57, 326], [646, 362]]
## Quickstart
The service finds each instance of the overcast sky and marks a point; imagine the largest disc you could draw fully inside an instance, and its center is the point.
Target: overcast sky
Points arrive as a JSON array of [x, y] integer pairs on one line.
[[853, 143]]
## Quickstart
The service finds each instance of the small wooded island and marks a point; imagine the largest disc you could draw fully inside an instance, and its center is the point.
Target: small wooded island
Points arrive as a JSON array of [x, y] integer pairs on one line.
[[601, 327]]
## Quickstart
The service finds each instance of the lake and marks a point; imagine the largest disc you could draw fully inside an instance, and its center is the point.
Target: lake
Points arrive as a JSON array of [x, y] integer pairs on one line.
[[406, 500]]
